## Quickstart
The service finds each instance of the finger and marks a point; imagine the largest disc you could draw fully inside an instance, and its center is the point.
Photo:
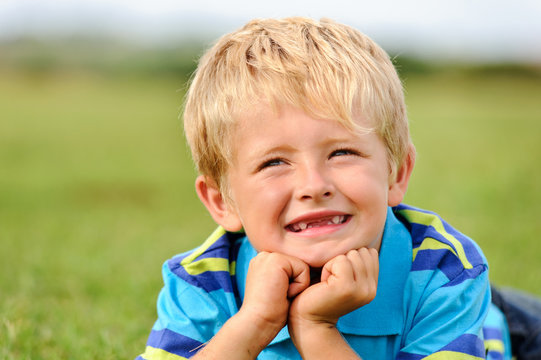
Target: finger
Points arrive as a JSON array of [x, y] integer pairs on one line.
[[299, 276], [370, 260], [326, 272], [266, 272], [338, 267], [283, 273], [358, 264]]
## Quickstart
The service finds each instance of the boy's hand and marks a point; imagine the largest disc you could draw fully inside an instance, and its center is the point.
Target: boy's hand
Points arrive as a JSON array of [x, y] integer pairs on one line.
[[273, 280], [347, 283]]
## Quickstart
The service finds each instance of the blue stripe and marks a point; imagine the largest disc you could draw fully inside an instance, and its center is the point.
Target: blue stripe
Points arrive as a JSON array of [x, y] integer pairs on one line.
[[407, 356], [492, 333], [494, 355], [467, 344], [467, 274], [235, 246], [208, 280], [433, 259], [174, 343], [419, 232], [448, 263]]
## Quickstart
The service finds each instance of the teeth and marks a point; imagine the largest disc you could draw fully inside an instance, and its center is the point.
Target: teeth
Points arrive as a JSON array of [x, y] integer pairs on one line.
[[335, 220]]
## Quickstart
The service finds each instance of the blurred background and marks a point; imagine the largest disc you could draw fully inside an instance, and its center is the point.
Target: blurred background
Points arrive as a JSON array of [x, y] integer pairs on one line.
[[96, 182]]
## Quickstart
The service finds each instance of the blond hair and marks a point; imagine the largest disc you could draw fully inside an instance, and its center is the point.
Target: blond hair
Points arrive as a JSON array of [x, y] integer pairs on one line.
[[327, 69]]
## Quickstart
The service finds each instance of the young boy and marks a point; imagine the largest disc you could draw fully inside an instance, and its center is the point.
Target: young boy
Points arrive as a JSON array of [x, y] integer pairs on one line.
[[299, 132]]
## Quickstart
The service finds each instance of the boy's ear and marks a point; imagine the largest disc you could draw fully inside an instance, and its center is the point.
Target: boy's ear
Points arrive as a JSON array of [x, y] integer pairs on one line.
[[398, 188], [220, 210]]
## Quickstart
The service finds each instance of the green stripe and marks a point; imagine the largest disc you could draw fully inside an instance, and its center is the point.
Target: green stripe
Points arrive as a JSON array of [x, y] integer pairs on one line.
[[152, 353], [450, 355], [196, 267], [494, 345], [219, 232], [433, 244], [208, 264]]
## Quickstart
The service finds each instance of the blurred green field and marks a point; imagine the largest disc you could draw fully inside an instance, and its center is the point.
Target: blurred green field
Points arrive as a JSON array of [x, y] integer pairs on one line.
[[96, 191]]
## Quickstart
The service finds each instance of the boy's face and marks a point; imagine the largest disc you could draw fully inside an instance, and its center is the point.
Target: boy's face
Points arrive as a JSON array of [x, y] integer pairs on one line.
[[307, 187]]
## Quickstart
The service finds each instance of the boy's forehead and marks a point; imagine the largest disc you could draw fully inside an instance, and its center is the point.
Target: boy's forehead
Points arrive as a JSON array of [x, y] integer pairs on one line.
[[265, 111], [283, 121]]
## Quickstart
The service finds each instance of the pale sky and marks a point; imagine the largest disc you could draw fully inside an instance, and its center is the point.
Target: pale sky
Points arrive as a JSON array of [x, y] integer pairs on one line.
[[473, 29]]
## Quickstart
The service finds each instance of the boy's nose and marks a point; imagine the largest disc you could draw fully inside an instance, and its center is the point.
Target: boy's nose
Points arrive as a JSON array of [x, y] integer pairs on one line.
[[314, 184]]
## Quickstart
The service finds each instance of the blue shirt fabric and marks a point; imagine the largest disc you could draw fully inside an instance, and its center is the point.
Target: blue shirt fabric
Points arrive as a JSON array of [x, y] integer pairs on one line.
[[433, 298]]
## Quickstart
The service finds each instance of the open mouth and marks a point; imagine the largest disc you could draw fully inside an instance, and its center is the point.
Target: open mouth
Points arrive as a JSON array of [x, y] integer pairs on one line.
[[325, 221]]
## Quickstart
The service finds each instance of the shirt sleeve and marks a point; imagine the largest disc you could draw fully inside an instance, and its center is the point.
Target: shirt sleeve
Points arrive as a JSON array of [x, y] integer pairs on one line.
[[497, 337], [449, 318], [448, 293], [188, 315]]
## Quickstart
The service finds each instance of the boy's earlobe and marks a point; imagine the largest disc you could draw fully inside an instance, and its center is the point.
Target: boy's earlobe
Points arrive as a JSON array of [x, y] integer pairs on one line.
[[398, 188], [220, 210]]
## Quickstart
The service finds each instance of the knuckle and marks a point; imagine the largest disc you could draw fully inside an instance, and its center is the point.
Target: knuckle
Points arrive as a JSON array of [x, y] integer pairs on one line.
[[259, 257], [353, 254], [273, 257], [340, 259], [350, 288], [262, 255]]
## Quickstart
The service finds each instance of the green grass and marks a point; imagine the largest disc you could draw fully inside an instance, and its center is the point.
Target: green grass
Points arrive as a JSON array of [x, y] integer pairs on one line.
[[96, 191], [478, 143]]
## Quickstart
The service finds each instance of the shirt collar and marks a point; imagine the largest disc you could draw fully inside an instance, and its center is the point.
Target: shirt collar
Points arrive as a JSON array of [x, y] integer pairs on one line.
[[384, 315]]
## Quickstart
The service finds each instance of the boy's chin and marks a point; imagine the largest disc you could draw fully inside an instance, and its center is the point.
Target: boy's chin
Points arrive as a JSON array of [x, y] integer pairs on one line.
[[316, 262]]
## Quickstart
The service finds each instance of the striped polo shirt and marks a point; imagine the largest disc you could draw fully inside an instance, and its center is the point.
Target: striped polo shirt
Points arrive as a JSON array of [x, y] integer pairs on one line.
[[433, 298]]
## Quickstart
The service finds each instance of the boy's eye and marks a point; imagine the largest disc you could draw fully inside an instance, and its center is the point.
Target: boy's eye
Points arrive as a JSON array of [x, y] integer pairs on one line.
[[270, 163], [342, 152]]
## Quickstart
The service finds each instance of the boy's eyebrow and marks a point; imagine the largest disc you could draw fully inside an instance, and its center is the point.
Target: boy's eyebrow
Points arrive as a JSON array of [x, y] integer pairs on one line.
[[342, 140], [355, 139], [257, 155], [280, 148]]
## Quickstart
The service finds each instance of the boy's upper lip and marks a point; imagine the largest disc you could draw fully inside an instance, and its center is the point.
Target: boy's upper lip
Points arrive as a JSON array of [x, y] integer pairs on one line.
[[315, 216]]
